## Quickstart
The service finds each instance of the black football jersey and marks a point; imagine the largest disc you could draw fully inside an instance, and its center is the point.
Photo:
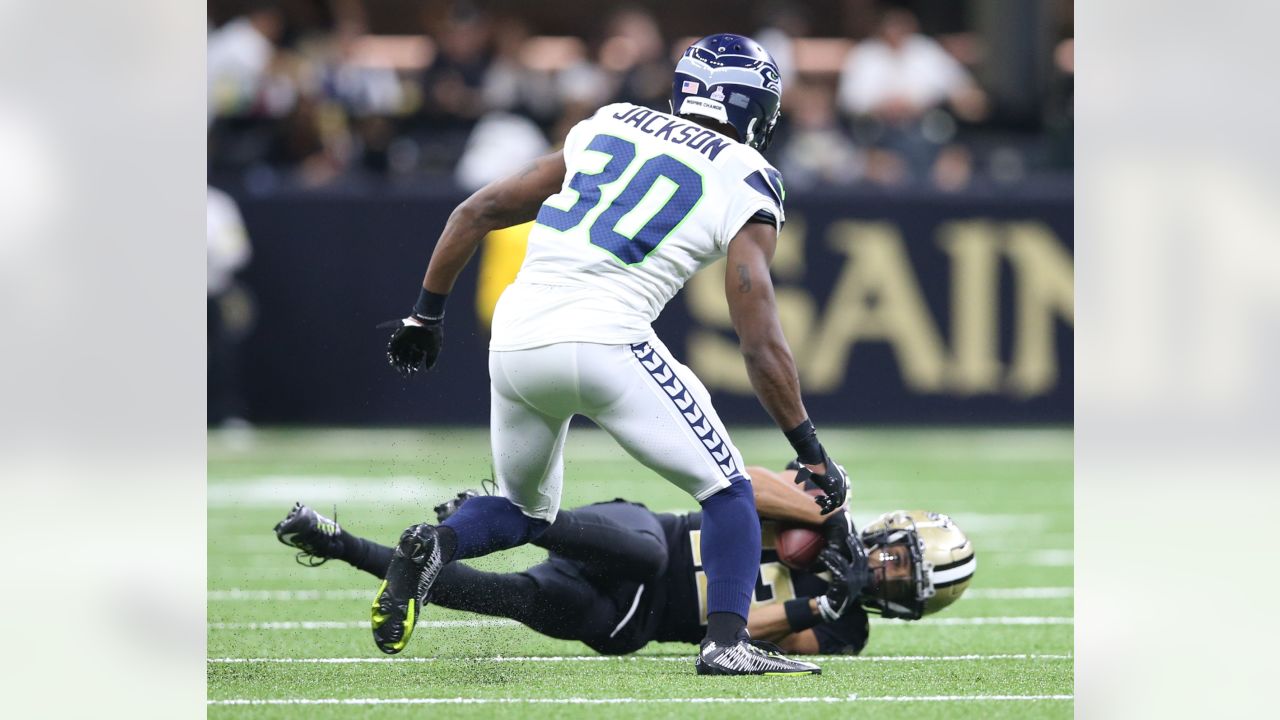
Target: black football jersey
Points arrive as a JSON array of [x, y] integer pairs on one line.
[[683, 617]]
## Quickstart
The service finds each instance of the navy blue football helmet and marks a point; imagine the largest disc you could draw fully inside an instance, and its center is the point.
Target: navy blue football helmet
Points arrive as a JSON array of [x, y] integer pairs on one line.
[[733, 80]]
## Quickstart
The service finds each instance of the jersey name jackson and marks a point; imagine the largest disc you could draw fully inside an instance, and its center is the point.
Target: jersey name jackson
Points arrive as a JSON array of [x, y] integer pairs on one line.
[[680, 132]]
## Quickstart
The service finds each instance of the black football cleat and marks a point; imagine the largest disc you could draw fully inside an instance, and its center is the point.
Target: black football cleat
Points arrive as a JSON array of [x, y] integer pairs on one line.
[[415, 564], [749, 657], [316, 537]]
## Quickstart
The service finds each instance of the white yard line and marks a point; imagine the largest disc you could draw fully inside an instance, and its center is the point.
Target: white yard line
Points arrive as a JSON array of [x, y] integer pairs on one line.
[[1014, 620], [346, 625], [364, 624], [638, 701], [1026, 593], [623, 658], [1052, 558], [320, 491], [1044, 557], [289, 595], [237, 594]]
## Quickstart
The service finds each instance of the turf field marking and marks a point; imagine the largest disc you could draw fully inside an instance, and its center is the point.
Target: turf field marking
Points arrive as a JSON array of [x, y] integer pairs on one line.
[[1027, 593], [623, 658], [320, 490], [351, 625], [1015, 620], [1056, 557], [236, 594], [1052, 558], [347, 625], [639, 701], [289, 595]]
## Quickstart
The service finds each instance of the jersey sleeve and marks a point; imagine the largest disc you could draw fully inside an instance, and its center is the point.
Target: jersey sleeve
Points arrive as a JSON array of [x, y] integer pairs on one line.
[[755, 192], [846, 636]]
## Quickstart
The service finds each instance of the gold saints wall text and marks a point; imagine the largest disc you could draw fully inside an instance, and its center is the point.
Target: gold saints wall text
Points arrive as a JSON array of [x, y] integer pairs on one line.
[[877, 297]]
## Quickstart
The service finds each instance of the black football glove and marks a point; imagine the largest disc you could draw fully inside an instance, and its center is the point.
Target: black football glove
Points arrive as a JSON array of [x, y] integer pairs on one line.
[[833, 604], [415, 344], [834, 483], [839, 532], [848, 578]]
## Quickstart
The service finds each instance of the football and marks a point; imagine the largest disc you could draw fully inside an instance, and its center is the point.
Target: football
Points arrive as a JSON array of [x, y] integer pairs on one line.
[[798, 546]]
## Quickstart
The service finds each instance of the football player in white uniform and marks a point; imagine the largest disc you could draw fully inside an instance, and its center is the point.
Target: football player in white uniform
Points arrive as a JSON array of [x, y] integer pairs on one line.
[[636, 203]]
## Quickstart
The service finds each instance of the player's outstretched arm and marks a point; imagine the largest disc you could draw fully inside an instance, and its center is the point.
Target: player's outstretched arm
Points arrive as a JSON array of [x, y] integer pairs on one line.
[[417, 339], [770, 365], [754, 312], [778, 498], [502, 203]]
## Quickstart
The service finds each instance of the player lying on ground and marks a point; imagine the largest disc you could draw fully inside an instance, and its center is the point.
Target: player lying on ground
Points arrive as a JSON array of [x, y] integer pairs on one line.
[[619, 576], [635, 204]]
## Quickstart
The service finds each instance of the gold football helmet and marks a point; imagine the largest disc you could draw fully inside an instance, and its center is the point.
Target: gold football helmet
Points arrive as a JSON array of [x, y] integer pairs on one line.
[[921, 561]]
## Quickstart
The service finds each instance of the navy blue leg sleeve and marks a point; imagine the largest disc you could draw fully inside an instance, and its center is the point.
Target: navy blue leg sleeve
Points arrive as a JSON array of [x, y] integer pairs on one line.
[[489, 524], [731, 548]]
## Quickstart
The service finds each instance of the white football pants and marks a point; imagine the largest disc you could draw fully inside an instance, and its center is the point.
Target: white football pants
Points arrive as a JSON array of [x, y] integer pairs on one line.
[[655, 407]]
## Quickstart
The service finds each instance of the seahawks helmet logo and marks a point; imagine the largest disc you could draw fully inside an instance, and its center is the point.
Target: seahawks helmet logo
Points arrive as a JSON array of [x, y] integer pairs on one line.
[[772, 80], [713, 69]]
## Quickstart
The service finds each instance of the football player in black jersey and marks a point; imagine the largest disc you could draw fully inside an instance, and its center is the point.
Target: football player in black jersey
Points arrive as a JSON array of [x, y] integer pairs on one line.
[[619, 576]]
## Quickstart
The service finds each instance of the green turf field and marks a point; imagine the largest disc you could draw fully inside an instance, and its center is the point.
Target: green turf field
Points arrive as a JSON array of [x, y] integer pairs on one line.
[[289, 641]]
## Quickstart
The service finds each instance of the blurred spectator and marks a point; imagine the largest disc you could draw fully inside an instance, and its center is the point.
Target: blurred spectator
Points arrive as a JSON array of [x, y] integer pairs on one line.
[[453, 86], [635, 54], [364, 90], [583, 87], [239, 55], [784, 25], [365, 95], [500, 145], [1060, 110], [895, 86], [228, 316], [510, 84], [315, 140], [816, 153], [314, 93], [631, 65]]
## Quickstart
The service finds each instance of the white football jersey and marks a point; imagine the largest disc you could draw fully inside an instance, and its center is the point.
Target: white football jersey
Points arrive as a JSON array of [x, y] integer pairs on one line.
[[648, 200]]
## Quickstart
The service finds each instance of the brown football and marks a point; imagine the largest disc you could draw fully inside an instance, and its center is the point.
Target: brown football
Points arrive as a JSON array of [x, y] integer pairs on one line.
[[798, 546]]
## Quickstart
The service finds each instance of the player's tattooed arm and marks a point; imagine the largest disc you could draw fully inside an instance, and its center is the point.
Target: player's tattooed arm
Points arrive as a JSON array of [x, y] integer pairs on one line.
[[502, 203], [749, 290]]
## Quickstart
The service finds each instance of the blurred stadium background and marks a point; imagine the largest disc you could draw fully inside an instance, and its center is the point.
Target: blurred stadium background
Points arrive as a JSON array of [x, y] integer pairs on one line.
[[925, 272]]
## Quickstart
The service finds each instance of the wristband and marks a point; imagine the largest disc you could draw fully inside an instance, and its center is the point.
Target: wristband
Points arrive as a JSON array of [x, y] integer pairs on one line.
[[799, 615], [804, 440], [430, 306]]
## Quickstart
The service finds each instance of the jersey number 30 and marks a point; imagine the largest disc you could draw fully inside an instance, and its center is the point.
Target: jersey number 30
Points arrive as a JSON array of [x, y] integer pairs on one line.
[[685, 192]]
